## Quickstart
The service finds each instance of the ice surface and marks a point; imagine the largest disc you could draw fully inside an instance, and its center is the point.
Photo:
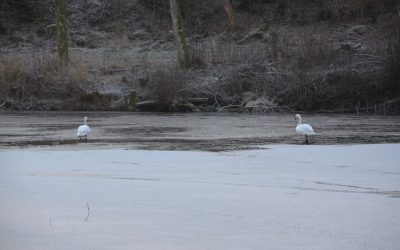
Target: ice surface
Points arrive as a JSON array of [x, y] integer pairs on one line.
[[191, 131], [279, 197]]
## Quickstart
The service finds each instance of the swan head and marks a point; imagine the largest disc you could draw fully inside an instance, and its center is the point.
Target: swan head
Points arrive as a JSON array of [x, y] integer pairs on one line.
[[298, 118]]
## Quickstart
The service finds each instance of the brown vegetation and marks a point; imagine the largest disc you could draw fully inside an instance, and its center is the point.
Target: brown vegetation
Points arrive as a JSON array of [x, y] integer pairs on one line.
[[331, 55], [31, 83]]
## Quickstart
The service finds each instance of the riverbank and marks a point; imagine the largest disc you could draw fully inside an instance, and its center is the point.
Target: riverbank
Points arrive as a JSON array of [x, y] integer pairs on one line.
[[321, 197], [277, 61]]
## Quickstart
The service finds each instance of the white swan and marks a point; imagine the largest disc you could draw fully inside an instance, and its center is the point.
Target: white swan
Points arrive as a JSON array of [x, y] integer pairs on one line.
[[83, 130], [303, 129]]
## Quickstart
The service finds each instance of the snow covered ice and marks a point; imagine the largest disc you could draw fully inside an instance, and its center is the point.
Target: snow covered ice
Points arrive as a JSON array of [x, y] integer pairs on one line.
[[278, 197]]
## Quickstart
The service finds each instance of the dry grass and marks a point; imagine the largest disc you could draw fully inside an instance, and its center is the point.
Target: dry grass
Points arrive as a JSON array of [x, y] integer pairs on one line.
[[217, 52], [13, 70], [39, 78]]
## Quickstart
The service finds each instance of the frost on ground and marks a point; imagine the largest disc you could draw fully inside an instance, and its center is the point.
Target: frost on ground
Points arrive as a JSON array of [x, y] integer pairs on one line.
[[279, 197]]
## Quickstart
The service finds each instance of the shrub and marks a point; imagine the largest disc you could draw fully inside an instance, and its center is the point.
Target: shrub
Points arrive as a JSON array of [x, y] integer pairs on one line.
[[166, 85]]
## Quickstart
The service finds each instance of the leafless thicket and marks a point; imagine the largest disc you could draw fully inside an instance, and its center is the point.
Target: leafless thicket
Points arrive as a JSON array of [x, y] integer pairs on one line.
[[40, 77], [307, 72]]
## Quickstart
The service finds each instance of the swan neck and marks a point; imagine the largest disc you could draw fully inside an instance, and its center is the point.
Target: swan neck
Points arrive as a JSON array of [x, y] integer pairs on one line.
[[299, 121], [84, 121]]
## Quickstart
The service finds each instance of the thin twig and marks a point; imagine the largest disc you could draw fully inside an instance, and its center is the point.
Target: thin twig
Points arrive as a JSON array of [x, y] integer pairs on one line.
[[88, 214]]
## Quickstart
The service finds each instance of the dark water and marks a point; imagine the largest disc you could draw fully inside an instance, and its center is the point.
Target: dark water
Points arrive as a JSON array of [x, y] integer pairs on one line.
[[194, 131]]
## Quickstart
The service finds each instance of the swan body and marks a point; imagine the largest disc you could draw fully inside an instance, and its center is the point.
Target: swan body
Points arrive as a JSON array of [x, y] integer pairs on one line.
[[303, 129], [83, 130]]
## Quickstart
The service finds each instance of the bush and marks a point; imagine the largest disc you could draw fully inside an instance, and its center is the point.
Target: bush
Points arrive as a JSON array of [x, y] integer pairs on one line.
[[25, 11], [166, 86]]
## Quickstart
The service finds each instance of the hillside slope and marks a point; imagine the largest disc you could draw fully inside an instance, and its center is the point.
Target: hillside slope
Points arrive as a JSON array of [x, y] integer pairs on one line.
[[285, 55]]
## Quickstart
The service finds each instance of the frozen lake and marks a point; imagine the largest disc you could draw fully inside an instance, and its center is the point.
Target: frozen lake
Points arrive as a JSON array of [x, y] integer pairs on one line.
[[183, 181], [278, 197], [194, 131]]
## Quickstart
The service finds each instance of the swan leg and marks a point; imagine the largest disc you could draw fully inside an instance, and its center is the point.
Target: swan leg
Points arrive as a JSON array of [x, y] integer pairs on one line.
[[306, 142], [85, 138], [80, 138]]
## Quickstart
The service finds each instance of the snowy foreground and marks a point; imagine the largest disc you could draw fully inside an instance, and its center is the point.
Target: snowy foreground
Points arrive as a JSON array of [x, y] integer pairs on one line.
[[280, 197]]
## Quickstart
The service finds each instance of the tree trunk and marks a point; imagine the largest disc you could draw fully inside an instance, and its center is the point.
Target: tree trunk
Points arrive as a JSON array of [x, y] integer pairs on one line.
[[62, 41], [398, 8], [274, 44], [179, 32], [231, 15], [116, 11], [336, 10]]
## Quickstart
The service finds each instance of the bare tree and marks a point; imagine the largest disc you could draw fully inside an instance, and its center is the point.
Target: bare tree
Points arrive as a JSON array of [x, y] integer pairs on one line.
[[231, 15], [117, 7], [398, 8], [179, 32], [274, 44], [62, 40]]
